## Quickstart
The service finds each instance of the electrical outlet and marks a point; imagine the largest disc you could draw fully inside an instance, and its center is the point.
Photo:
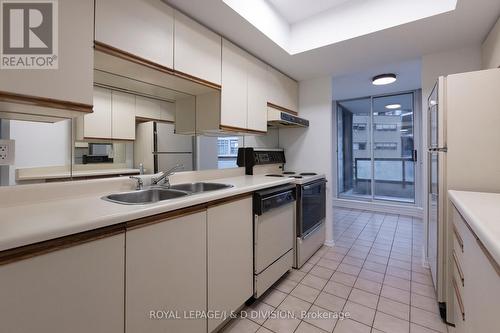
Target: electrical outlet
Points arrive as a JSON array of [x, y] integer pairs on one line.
[[7, 152]]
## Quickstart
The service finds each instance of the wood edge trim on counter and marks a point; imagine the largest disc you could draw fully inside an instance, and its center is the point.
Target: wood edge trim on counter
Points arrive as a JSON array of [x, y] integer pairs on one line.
[[277, 107], [197, 80], [491, 259], [459, 269], [113, 51], [458, 237], [459, 298], [32, 250], [240, 129], [45, 102]]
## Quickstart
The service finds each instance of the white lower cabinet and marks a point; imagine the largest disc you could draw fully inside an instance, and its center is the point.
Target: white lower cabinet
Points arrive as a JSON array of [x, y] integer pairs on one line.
[[78, 289], [230, 257], [166, 271]]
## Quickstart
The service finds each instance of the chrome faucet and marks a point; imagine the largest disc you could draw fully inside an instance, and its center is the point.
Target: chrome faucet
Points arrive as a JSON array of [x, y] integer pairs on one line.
[[163, 177], [140, 183]]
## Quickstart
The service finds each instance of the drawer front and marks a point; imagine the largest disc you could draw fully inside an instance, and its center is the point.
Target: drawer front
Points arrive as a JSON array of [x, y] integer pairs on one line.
[[460, 324], [458, 274], [459, 303]]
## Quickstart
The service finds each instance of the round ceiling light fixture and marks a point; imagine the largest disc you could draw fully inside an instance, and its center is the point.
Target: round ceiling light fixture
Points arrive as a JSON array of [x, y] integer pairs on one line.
[[393, 106], [383, 79]]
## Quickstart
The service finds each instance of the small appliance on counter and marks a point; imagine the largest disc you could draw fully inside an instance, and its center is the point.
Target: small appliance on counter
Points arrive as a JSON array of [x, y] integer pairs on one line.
[[310, 212]]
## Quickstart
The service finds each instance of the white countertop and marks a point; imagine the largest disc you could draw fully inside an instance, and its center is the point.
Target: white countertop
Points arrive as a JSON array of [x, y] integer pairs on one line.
[[482, 212], [57, 174], [34, 222]]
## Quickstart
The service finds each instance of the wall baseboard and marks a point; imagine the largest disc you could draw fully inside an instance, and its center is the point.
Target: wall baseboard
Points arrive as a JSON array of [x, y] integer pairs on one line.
[[413, 211]]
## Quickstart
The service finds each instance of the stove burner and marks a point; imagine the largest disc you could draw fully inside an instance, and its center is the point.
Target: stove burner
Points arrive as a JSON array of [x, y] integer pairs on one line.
[[274, 175], [294, 176], [308, 174], [288, 172]]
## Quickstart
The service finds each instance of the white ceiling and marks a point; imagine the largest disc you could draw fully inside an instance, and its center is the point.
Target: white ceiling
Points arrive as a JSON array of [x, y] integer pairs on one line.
[[294, 11], [467, 25]]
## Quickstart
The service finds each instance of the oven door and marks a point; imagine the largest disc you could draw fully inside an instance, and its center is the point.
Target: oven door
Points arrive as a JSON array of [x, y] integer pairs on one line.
[[312, 206]]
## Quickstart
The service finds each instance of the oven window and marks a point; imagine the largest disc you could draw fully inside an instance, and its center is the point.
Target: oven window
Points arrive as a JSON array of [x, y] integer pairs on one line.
[[313, 206]]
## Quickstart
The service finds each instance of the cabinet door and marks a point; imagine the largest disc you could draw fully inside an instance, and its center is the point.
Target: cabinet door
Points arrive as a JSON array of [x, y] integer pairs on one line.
[[292, 94], [234, 86], [197, 50], [167, 111], [166, 271], [283, 91], [144, 28], [123, 116], [79, 289], [230, 257], [73, 80], [98, 123], [147, 108], [257, 95]]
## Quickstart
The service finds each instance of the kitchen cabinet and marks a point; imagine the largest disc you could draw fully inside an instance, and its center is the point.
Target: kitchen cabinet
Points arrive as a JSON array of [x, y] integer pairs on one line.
[[143, 28], [154, 109], [68, 89], [230, 257], [234, 94], [79, 289], [166, 271], [122, 116], [197, 50], [476, 281], [257, 94], [283, 91]]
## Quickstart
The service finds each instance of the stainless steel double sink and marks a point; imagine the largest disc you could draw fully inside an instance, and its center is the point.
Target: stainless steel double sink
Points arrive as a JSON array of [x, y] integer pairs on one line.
[[160, 193]]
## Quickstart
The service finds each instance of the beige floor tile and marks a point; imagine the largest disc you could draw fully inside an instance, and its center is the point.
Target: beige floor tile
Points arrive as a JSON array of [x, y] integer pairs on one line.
[[364, 298], [337, 289], [285, 285], [399, 264], [349, 269], [308, 328], [394, 308], [396, 294], [306, 267], [351, 326], [339, 249], [296, 275], [377, 259], [425, 303], [273, 297], [423, 289], [344, 278], [401, 273], [427, 319], [314, 281], [241, 325], [330, 302], [333, 256], [359, 313], [357, 254], [258, 312], [322, 272], [321, 318], [327, 263], [396, 282], [390, 324], [369, 286], [262, 329], [414, 328], [294, 305], [371, 275], [305, 293], [282, 325], [353, 261], [373, 266], [422, 278]]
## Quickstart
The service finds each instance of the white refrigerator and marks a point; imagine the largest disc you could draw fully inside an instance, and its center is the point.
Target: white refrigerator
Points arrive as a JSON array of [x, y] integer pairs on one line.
[[463, 154], [159, 148]]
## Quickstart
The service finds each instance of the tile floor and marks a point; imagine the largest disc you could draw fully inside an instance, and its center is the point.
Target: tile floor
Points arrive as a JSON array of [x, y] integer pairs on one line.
[[374, 272]]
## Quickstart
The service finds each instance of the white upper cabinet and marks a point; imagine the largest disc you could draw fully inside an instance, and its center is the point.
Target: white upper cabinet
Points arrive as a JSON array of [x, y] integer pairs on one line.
[[73, 80], [154, 109], [197, 50], [234, 87], [257, 94], [98, 123], [122, 116], [283, 91], [144, 28]]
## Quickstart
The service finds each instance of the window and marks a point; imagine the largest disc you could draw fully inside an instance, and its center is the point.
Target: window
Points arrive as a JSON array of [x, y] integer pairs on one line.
[[359, 126], [386, 146], [359, 146], [386, 127], [227, 151]]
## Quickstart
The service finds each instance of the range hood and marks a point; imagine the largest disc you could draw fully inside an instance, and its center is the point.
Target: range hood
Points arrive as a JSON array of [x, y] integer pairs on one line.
[[277, 118]]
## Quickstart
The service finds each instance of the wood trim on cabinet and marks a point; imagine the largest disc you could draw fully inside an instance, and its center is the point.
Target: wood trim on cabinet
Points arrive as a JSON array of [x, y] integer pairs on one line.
[[144, 119], [45, 102], [459, 298], [240, 129], [110, 139], [154, 219], [458, 237], [108, 49], [459, 269], [233, 198], [32, 250], [197, 80], [277, 107]]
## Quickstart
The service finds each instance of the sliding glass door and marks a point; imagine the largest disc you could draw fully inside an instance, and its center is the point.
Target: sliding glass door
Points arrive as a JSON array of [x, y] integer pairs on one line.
[[376, 152]]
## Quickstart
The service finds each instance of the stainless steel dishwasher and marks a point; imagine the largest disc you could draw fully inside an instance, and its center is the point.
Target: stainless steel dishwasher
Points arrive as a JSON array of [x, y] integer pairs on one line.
[[274, 220]]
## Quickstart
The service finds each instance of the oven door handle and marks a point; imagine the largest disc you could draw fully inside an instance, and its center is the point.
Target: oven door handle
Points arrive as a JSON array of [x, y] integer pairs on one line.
[[310, 232]]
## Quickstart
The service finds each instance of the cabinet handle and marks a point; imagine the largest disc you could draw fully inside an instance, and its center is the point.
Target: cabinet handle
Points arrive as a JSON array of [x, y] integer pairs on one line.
[[459, 269], [459, 238], [459, 298]]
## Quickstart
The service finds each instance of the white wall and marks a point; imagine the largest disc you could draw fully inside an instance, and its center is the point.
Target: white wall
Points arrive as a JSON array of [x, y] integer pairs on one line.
[[271, 140], [310, 149], [206, 153], [491, 48], [442, 64]]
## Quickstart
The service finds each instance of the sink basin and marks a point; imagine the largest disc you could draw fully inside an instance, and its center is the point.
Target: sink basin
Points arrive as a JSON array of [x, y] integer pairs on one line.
[[146, 196], [200, 187]]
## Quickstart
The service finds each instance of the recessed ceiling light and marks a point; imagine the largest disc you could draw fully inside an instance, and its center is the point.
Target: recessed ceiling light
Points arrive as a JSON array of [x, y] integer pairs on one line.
[[382, 79], [392, 106]]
